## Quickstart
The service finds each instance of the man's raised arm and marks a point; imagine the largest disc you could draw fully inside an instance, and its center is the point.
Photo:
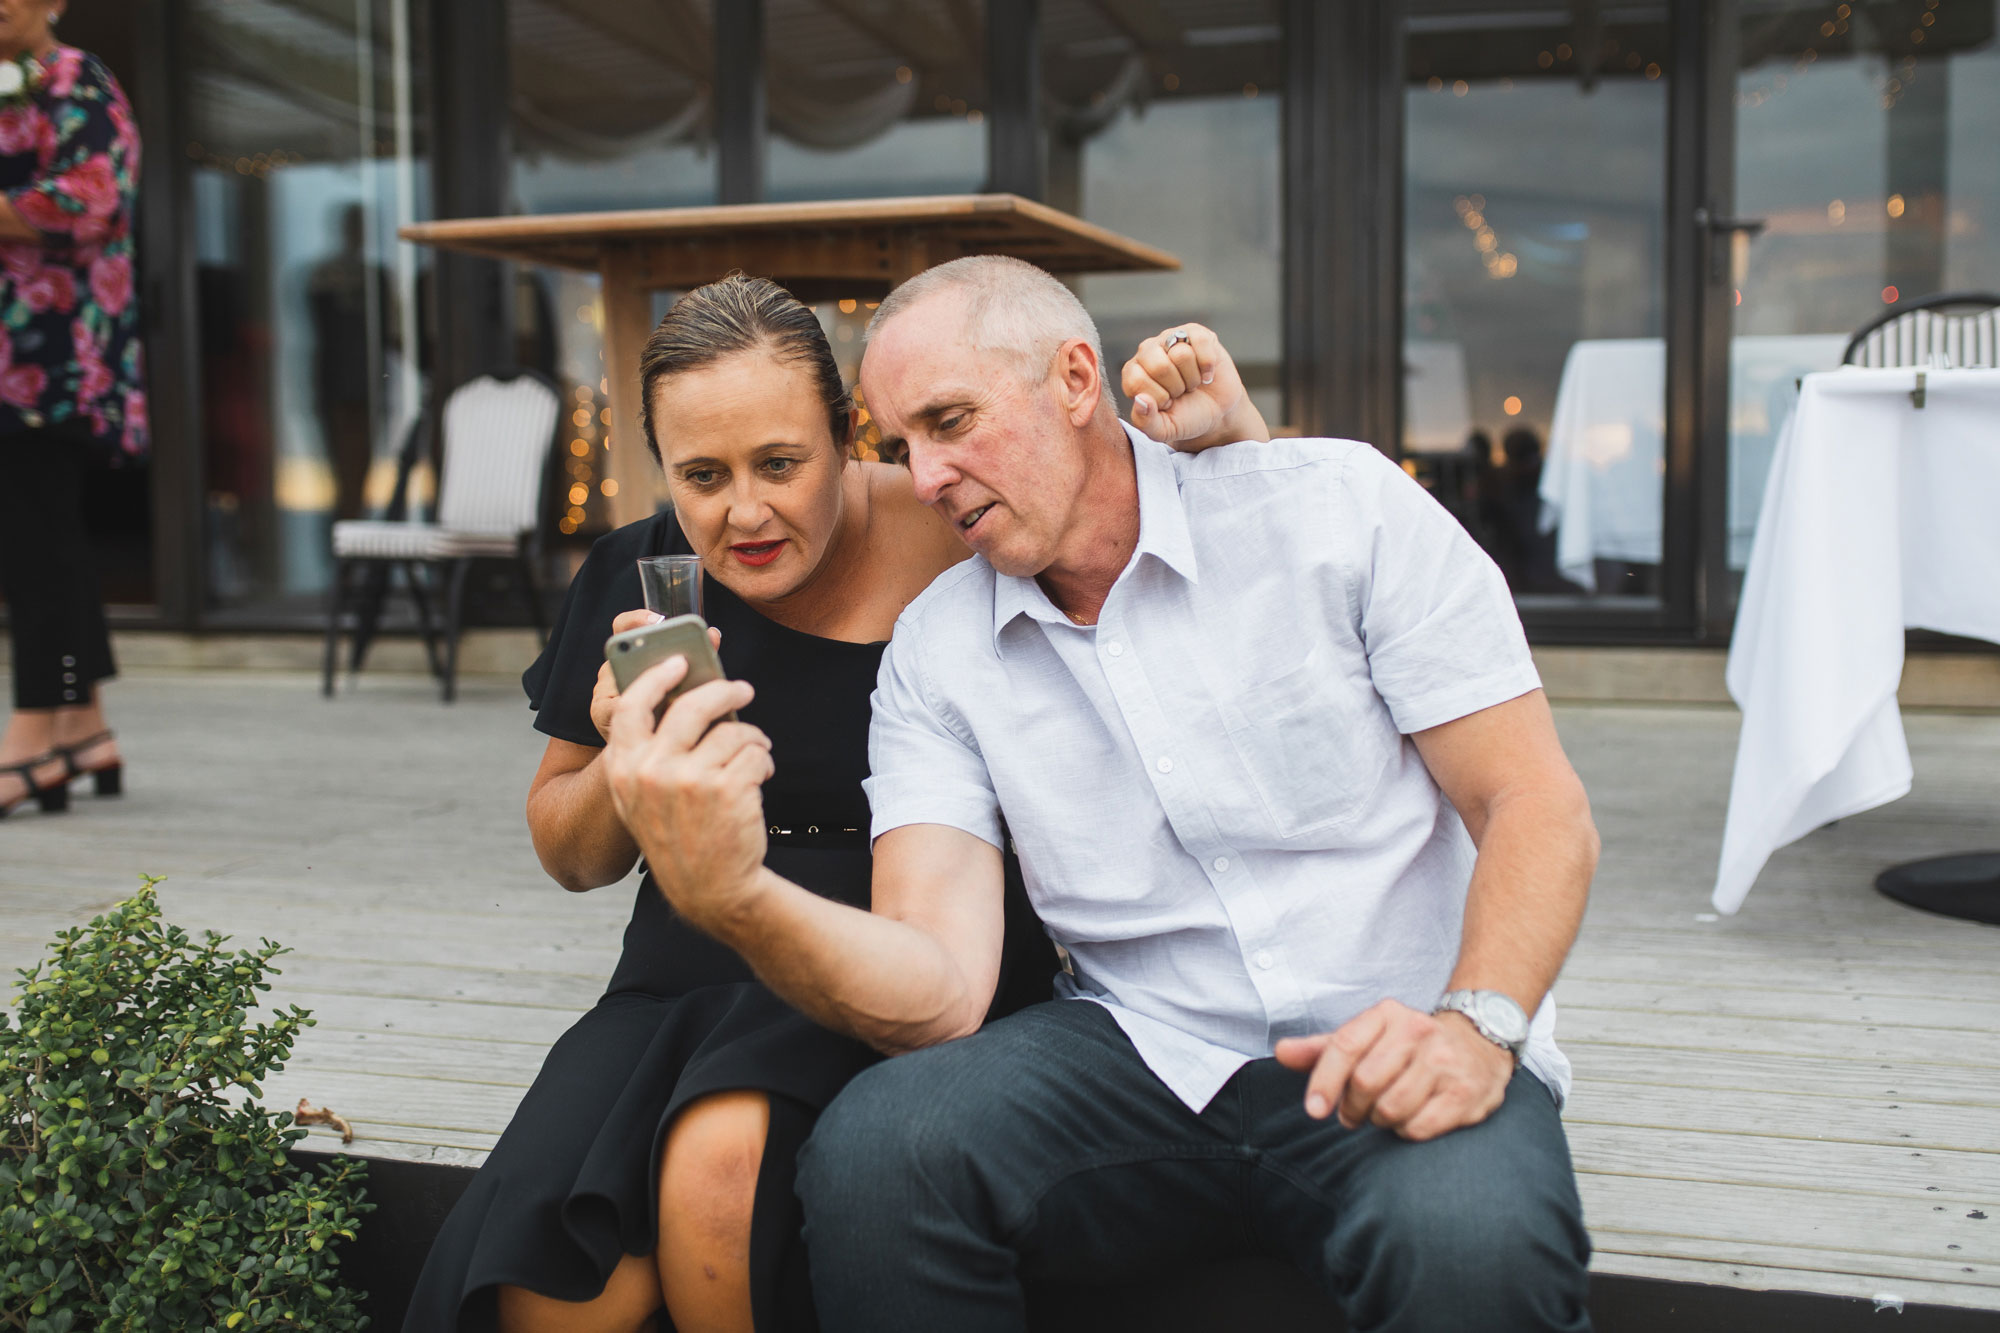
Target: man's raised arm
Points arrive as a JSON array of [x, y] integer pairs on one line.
[[920, 969]]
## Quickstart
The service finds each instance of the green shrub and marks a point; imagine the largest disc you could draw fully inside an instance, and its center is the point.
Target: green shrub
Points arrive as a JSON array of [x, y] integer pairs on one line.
[[141, 1189]]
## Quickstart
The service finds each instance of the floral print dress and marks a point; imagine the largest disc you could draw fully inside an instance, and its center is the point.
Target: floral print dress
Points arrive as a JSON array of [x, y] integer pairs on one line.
[[69, 323]]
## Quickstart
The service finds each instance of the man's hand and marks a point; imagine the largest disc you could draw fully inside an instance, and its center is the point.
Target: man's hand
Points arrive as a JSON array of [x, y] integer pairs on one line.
[[1421, 1075], [1186, 392], [688, 789], [604, 698]]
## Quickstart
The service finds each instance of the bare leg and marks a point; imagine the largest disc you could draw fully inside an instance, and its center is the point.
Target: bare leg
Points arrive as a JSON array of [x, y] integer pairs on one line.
[[708, 1182], [31, 733], [630, 1298], [81, 722]]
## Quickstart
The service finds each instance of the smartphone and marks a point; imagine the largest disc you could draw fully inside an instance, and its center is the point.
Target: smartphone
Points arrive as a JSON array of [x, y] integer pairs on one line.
[[634, 651]]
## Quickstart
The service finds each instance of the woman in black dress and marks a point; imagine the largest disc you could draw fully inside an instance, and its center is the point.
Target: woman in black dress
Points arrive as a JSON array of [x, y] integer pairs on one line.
[[645, 1182]]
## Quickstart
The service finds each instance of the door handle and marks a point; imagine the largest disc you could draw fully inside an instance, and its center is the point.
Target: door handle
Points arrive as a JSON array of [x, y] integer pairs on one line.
[[1717, 228], [1709, 221]]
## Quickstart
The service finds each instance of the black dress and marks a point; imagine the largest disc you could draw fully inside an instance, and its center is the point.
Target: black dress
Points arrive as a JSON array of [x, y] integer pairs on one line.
[[573, 1183]]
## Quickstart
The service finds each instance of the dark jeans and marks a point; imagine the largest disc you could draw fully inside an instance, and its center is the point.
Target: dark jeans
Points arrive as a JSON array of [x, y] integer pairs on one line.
[[1042, 1149], [61, 644]]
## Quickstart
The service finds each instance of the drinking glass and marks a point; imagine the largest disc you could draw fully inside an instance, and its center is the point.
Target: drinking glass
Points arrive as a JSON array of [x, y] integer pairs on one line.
[[672, 584]]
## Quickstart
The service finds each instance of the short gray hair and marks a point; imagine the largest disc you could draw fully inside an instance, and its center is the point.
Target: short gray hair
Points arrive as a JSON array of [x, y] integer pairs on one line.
[[1008, 305]]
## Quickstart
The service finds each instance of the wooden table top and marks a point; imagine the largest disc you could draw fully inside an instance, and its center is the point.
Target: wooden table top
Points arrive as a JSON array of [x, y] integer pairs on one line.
[[803, 238]]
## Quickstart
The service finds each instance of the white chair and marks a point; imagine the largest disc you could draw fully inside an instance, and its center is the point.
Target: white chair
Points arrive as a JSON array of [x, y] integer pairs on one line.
[[497, 438]]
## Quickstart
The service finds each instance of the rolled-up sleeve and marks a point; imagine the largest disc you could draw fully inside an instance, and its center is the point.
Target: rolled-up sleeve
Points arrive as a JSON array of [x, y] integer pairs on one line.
[[923, 768], [1442, 635]]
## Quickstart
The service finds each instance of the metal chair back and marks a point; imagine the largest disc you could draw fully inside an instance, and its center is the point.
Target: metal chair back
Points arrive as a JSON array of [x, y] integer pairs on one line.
[[1958, 329]]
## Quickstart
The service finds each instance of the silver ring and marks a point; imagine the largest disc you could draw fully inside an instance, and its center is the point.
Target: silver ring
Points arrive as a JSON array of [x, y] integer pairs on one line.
[[1175, 338]]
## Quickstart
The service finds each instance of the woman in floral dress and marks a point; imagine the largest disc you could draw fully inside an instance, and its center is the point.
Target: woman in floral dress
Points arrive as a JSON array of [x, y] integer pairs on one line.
[[70, 389]]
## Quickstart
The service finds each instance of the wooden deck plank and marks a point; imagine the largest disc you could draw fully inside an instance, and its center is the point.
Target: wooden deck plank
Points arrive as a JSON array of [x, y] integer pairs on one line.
[[1805, 1096]]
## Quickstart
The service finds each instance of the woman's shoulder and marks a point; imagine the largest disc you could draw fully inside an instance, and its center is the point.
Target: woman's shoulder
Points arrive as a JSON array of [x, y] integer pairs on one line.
[[908, 528], [76, 74]]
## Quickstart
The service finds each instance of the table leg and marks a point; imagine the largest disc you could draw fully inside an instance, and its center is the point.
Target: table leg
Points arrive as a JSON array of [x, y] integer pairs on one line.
[[628, 321], [1967, 886]]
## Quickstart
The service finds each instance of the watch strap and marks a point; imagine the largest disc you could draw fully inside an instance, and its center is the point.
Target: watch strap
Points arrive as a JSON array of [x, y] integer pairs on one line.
[[1466, 1002]]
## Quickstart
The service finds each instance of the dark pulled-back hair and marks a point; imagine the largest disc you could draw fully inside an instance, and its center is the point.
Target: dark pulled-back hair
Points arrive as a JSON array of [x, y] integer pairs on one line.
[[741, 314]]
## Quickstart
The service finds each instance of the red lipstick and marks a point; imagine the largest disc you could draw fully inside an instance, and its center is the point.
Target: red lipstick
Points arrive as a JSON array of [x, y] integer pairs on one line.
[[757, 553]]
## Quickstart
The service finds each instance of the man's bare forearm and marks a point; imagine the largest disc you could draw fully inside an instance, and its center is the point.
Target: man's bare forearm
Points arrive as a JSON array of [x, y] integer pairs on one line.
[[1537, 853], [578, 835], [883, 981]]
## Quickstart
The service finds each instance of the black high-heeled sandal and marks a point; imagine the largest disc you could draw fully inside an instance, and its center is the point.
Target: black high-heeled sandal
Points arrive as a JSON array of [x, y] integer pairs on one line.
[[54, 799], [106, 780]]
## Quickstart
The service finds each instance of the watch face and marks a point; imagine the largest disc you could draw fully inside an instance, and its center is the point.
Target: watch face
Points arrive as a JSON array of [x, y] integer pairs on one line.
[[1503, 1016]]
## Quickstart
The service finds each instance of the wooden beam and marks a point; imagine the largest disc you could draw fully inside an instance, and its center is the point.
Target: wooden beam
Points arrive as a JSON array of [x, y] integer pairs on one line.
[[628, 322]]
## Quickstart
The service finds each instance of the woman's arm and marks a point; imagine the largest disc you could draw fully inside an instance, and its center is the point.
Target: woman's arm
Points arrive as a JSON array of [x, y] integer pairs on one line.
[[578, 835], [1186, 392], [581, 841]]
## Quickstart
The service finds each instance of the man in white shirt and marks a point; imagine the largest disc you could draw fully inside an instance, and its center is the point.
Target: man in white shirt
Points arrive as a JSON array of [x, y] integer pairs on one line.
[[1269, 742]]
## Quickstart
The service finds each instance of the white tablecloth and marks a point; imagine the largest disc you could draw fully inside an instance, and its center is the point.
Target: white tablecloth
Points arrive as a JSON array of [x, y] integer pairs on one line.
[[1603, 476], [1877, 517]]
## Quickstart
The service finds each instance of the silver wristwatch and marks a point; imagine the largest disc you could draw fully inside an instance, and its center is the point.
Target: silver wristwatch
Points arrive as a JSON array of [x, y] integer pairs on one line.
[[1497, 1017]]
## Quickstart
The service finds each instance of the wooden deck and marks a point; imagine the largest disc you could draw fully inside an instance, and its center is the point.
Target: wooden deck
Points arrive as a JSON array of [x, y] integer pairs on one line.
[[1805, 1097]]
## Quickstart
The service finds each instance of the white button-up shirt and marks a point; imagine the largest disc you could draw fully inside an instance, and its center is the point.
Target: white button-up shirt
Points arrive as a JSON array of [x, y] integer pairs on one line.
[[1218, 810]]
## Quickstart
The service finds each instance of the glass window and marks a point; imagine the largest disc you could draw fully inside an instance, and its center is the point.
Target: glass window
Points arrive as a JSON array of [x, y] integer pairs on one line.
[[1865, 146], [1534, 353], [305, 145], [612, 109], [1167, 127]]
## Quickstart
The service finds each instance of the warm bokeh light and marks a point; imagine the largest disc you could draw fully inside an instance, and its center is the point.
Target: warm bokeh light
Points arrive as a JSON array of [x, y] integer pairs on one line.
[[1890, 295], [580, 448], [609, 487], [1896, 205], [1512, 407], [1836, 212]]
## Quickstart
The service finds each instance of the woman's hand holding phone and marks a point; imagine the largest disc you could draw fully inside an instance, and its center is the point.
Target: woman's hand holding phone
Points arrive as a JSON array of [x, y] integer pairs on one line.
[[604, 698]]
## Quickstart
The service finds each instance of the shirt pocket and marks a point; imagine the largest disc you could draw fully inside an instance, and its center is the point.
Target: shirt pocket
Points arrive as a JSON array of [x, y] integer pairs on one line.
[[1313, 759]]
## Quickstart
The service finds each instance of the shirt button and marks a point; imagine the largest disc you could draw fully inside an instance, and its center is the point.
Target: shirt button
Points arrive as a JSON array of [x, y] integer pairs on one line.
[[69, 677], [69, 661], [1115, 649], [69, 694], [1264, 959], [1164, 764], [1221, 864]]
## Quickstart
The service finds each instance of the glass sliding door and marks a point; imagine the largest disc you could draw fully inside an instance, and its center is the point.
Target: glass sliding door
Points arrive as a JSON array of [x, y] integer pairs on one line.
[[1535, 293], [1867, 176], [304, 147]]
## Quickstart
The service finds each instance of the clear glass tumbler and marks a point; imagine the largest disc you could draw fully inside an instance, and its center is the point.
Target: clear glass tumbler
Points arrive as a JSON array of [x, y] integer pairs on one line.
[[672, 584]]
